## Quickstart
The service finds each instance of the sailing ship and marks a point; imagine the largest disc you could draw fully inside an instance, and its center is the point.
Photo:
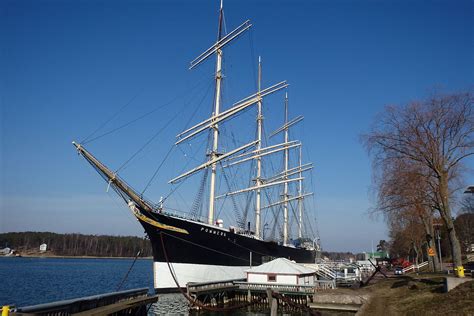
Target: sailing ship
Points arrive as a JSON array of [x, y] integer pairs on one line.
[[189, 249]]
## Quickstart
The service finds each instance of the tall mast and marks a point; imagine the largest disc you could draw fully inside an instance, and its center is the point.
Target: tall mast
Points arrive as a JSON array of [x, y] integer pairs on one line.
[[258, 147], [217, 103], [285, 193], [300, 194]]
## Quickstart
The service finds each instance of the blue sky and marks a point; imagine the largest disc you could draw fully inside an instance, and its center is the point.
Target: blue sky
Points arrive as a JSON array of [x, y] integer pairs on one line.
[[68, 66]]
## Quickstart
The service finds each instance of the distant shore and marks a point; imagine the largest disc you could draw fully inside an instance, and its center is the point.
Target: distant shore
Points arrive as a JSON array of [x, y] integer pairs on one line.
[[49, 244], [49, 255]]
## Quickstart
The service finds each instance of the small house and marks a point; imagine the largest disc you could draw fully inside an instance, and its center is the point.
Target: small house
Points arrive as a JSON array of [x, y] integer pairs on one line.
[[5, 251], [281, 271], [43, 247]]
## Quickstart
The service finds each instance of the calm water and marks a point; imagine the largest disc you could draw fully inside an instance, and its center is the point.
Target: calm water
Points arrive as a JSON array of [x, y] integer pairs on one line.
[[30, 281]]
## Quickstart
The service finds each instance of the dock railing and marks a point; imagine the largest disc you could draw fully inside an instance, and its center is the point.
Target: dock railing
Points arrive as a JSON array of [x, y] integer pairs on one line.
[[288, 288], [415, 267], [343, 273], [202, 287], [129, 301]]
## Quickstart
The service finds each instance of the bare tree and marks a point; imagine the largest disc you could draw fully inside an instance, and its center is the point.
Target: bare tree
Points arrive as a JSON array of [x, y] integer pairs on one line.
[[406, 232], [464, 223], [467, 204], [437, 134], [403, 189], [382, 246]]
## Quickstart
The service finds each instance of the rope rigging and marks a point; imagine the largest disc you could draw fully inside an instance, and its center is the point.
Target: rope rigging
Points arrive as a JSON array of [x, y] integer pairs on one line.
[[85, 140], [128, 272], [159, 107], [191, 300], [234, 203], [196, 209], [181, 182]]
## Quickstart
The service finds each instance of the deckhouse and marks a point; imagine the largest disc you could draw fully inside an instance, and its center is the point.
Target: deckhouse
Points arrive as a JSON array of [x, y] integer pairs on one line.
[[281, 271]]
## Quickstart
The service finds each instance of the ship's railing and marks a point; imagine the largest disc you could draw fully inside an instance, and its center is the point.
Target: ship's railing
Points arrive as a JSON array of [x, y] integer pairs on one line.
[[184, 215]]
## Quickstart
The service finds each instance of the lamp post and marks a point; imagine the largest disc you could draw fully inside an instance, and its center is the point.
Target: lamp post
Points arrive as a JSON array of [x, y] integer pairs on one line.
[[438, 236]]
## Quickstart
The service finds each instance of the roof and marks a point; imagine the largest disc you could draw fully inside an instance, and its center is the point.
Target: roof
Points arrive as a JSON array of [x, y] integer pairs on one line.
[[281, 265]]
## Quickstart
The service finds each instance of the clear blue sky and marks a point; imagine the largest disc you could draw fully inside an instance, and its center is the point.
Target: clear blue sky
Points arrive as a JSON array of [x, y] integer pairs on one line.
[[68, 66]]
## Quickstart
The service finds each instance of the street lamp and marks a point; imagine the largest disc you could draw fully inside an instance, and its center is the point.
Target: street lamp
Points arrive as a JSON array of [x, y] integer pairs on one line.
[[438, 236]]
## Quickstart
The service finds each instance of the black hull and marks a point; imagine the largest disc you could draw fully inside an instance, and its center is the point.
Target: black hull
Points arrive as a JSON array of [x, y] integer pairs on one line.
[[211, 245]]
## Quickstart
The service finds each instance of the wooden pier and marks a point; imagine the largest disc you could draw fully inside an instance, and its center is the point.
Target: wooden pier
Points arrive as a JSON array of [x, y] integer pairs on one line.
[[230, 293], [130, 302]]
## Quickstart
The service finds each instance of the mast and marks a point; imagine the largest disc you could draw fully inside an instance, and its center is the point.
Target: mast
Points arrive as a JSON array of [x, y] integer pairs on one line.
[[285, 192], [259, 158], [300, 194], [217, 103]]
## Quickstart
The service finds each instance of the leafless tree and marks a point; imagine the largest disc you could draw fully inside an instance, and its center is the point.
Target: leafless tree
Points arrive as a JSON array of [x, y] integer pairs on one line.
[[407, 234], [403, 188], [437, 134]]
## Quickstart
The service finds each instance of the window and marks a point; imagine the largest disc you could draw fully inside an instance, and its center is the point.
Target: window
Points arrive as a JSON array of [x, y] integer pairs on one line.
[[271, 277]]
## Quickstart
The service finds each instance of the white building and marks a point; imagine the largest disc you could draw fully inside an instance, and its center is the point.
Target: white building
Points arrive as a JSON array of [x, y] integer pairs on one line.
[[5, 251], [43, 247], [281, 271]]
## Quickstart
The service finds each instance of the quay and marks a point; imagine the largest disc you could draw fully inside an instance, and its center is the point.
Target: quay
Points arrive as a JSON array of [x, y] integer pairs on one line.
[[129, 302], [234, 294], [282, 284]]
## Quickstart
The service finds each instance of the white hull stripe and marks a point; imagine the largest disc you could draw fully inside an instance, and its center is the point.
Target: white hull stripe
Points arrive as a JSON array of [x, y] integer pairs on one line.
[[190, 272]]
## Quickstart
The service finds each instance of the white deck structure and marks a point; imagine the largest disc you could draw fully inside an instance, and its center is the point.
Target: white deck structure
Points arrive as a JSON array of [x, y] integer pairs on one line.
[[281, 271]]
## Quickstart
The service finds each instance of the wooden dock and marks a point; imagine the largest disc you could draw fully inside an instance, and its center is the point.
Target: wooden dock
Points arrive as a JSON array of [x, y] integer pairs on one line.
[[130, 302], [228, 293]]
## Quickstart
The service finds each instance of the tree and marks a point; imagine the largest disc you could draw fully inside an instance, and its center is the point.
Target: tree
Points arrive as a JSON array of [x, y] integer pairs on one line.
[[464, 223], [382, 246], [406, 233], [402, 190], [436, 134], [467, 204]]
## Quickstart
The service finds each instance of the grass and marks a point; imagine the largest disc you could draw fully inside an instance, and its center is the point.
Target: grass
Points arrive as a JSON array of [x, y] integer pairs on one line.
[[418, 295]]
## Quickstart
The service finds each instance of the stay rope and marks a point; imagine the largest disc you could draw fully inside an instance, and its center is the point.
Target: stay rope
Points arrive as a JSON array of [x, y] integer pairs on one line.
[[128, 272], [178, 96], [86, 140], [173, 147], [193, 301], [148, 142]]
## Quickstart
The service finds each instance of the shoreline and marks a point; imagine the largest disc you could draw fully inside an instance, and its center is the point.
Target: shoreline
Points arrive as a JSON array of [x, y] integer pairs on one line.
[[72, 257]]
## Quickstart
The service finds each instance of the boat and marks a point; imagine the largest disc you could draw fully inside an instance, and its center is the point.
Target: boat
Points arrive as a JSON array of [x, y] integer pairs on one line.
[[187, 248]]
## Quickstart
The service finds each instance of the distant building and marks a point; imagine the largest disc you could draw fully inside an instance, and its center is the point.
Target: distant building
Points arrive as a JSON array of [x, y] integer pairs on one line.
[[281, 271], [43, 247], [5, 251], [374, 255]]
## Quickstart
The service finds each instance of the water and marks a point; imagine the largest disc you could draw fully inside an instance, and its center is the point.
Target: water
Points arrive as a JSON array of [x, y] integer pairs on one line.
[[31, 281]]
